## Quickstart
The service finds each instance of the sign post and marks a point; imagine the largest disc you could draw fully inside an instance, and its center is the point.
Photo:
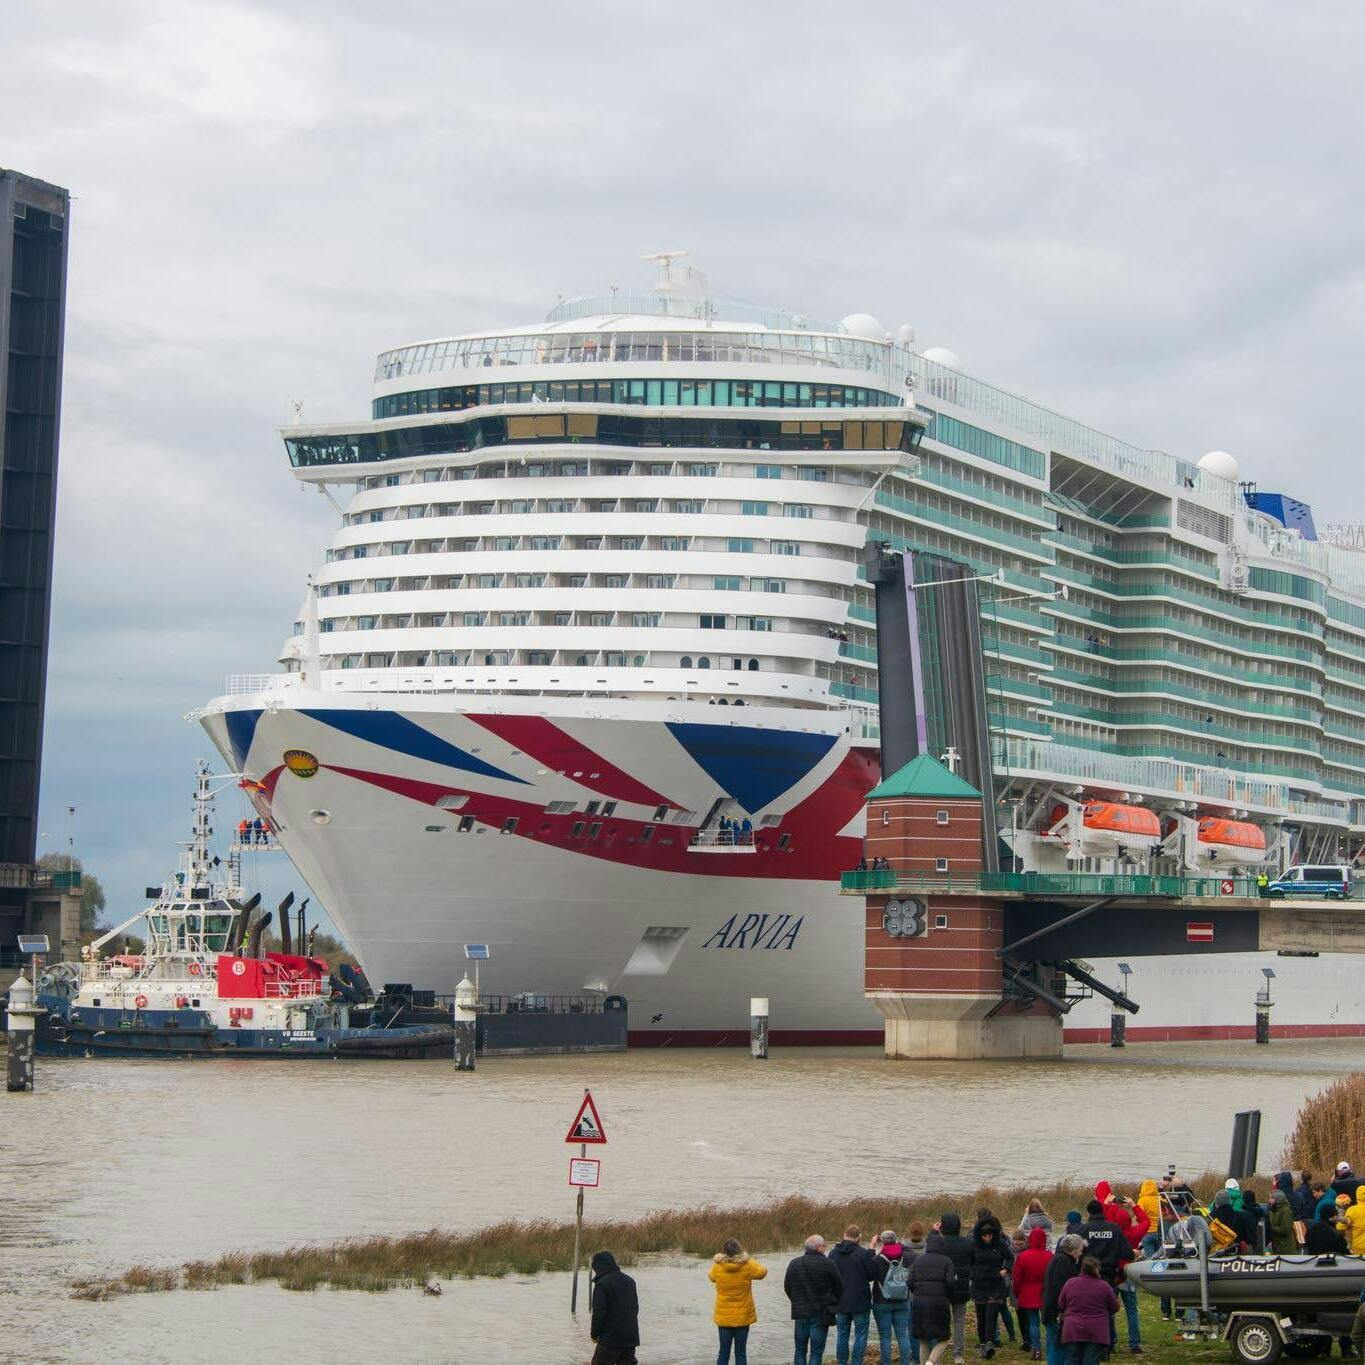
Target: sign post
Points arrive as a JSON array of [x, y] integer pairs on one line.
[[586, 1128]]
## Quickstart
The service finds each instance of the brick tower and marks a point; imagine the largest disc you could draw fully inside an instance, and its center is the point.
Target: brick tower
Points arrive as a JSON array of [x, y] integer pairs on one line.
[[935, 976]]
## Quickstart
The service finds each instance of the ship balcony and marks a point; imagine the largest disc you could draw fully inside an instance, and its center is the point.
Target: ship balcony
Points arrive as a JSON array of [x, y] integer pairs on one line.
[[722, 841]]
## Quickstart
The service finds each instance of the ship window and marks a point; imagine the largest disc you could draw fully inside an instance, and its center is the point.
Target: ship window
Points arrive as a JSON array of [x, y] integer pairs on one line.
[[646, 834], [594, 829], [753, 665], [592, 808], [703, 662], [685, 661], [466, 824], [609, 808], [660, 812], [785, 841], [509, 826], [575, 829]]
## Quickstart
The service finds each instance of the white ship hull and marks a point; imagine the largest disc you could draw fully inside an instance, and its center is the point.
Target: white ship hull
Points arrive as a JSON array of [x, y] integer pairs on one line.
[[687, 936]]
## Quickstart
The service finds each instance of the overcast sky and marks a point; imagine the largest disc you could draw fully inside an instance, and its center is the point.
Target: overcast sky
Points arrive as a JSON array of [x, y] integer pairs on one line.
[[1147, 216]]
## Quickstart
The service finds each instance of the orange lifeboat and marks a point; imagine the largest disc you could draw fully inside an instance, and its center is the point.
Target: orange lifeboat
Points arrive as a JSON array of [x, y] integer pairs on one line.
[[1109, 816], [1230, 841]]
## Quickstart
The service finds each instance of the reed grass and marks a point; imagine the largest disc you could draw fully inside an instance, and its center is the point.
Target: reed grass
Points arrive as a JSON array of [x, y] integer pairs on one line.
[[528, 1248], [1329, 1128]]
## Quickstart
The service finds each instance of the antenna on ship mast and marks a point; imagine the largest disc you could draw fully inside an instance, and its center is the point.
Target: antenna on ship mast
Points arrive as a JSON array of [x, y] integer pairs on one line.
[[666, 284], [202, 832]]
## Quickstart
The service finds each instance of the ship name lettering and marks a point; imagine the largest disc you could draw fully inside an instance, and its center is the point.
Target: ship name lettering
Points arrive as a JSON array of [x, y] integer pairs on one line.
[[755, 931]]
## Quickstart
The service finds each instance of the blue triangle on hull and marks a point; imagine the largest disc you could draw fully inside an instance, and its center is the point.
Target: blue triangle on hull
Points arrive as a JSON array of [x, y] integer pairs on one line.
[[398, 733], [753, 766], [241, 730]]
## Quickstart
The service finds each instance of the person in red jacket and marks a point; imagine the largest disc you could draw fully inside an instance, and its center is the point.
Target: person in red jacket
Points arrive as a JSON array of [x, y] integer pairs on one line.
[[1030, 1265]]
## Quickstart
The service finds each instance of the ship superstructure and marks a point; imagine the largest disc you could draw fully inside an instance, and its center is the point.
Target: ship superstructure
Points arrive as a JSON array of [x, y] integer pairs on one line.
[[563, 547]]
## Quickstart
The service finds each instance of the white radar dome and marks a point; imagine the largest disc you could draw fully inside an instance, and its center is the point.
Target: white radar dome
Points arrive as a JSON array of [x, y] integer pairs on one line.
[[1220, 464], [941, 355], [863, 325], [905, 334]]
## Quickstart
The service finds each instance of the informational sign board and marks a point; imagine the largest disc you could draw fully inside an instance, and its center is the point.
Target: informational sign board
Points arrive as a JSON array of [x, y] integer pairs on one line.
[[585, 1172], [587, 1124], [1198, 931]]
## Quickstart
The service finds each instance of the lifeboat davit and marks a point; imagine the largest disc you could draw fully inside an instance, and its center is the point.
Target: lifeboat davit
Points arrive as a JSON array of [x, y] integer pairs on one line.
[[1229, 842], [1110, 827]]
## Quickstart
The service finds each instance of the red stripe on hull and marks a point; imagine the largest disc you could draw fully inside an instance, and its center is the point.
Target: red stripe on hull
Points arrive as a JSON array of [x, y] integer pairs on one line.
[[1213, 1033], [561, 752]]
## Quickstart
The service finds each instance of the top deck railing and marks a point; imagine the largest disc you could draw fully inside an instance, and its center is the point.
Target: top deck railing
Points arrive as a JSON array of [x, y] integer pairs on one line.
[[1049, 884]]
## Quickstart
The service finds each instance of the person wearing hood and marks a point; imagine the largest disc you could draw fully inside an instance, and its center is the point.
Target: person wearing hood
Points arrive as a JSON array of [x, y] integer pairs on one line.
[[1303, 1201], [813, 1286], [615, 1312], [1065, 1262], [891, 1305], [1074, 1219], [1035, 1216], [857, 1268], [1149, 1201], [1355, 1223], [958, 1250], [1344, 1182], [1254, 1217], [990, 1267], [733, 1272], [933, 1286], [1030, 1270], [1326, 1207], [1281, 1224], [1234, 1191]]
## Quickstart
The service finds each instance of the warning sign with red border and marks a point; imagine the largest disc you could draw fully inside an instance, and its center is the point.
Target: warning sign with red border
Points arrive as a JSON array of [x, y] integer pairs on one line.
[[587, 1124], [1198, 931]]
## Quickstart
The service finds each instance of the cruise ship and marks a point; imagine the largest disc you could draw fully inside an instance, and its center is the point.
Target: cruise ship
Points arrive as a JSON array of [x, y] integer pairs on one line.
[[589, 673]]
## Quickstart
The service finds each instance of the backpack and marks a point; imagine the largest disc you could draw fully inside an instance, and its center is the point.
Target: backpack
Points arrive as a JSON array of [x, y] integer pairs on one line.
[[896, 1286]]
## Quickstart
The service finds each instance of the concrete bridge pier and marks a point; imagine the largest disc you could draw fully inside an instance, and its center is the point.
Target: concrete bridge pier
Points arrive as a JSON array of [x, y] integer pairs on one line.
[[923, 1027]]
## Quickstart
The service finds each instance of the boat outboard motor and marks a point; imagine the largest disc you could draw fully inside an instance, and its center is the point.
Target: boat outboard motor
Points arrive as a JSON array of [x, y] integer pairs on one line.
[[257, 931], [237, 936], [286, 941]]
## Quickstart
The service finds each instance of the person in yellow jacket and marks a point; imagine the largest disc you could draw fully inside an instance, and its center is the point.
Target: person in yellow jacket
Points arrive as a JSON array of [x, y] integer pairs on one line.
[[1149, 1201], [733, 1272], [1354, 1220]]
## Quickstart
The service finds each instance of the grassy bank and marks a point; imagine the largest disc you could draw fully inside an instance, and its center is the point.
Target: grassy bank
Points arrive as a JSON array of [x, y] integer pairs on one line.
[[526, 1248], [1329, 1128]]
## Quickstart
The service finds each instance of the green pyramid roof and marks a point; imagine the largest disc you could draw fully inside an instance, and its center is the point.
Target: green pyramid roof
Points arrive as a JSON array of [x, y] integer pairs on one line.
[[925, 776]]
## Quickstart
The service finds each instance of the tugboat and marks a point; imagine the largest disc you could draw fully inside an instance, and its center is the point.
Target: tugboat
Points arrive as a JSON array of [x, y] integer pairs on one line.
[[203, 987]]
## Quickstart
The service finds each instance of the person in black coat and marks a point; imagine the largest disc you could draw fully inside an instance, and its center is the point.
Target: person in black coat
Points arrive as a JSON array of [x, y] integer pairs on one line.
[[1105, 1242], [990, 1262], [1065, 1263], [933, 1283], [1345, 1180], [615, 1312], [814, 1287], [857, 1268], [958, 1249], [1323, 1239], [1303, 1201]]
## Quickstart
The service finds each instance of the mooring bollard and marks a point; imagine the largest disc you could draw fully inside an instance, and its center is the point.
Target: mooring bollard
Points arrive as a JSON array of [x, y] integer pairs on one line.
[[758, 1027], [19, 1051], [466, 1024], [1118, 1026]]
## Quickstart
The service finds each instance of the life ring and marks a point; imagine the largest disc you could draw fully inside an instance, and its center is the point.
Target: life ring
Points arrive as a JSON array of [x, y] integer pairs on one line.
[[140, 1001], [196, 969]]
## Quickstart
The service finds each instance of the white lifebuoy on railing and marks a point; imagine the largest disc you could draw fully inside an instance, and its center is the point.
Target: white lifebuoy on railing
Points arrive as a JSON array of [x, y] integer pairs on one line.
[[196, 969], [140, 1001]]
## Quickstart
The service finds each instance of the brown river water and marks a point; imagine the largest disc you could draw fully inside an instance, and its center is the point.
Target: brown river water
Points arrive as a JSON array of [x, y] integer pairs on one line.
[[111, 1164]]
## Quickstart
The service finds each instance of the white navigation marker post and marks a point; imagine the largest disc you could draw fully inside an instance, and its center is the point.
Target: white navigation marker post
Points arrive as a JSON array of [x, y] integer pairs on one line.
[[758, 1027], [584, 1173]]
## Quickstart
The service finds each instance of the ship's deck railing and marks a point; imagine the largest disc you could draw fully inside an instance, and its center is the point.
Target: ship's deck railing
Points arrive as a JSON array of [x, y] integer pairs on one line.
[[288, 990], [723, 838], [532, 1003], [1047, 884]]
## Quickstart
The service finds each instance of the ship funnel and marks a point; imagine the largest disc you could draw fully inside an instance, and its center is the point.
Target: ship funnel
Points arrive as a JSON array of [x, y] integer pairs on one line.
[[238, 935], [257, 932], [286, 938]]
